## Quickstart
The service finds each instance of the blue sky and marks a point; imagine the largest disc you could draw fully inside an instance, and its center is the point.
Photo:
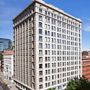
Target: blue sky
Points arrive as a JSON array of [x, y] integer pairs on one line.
[[78, 8]]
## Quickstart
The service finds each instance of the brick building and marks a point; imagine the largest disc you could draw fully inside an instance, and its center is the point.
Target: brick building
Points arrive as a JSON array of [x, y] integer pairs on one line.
[[1, 61], [86, 64]]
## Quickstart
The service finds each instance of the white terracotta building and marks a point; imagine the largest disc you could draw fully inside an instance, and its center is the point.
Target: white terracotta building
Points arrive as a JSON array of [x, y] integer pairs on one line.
[[47, 47]]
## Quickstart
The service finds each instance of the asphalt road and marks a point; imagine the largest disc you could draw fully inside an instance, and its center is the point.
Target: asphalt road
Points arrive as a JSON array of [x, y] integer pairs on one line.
[[3, 87]]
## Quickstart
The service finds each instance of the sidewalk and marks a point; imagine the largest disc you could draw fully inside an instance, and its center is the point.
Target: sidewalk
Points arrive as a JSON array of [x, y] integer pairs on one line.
[[11, 86]]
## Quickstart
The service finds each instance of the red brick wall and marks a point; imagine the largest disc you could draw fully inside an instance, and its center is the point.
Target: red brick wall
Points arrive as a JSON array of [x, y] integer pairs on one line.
[[86, 65]]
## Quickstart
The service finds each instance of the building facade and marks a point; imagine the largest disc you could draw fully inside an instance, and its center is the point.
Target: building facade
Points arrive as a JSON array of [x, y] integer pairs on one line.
[[47, 47], [86, 64], [8, 64], [4, 44]]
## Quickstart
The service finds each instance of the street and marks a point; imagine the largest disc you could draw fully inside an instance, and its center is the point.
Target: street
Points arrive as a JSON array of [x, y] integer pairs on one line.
[[3, 87]]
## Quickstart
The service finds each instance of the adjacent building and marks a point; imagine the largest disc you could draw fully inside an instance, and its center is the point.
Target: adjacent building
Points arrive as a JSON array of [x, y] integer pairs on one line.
[[8, 64], [47, 47], [1, 61], [4, 43], [86, 64]]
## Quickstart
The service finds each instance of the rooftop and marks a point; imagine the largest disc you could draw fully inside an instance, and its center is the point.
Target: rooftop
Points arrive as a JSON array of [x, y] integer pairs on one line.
[[8, 52], [4, 39], [50, 6]]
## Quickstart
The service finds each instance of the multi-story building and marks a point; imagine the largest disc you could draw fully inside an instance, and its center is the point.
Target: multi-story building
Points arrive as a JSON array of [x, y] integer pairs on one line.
[[47, 47], [4, 44], [8, 64], [86, 64]]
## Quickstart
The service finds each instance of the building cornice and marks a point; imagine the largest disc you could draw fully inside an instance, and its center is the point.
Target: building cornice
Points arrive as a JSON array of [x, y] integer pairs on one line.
[[51, 7]]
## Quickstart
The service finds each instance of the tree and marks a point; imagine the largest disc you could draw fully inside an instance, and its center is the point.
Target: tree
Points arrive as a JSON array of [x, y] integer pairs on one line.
[[1, 56], [50, 89], [78, 84]]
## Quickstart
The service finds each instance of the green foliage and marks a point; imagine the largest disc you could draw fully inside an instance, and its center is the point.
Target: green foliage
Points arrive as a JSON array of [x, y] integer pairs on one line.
[[78, 84], [50, 89], [1, 56]]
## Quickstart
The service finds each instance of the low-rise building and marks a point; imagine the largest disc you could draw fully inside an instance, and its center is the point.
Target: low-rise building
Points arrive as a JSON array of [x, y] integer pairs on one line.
[[86, 64], [1, 62], [8, 64]]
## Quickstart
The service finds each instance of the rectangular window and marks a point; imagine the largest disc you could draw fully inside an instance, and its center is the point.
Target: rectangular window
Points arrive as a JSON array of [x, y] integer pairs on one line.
[[40, 18], [40, 52], [40, 38], [40, 10], [40, 31], [40, 59], [40, 66], [40, 45], [40, 86], [40, 72], [40, 24], [40, 79]]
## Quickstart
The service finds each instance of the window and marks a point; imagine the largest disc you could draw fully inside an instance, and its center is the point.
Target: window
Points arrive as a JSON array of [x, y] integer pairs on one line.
[[40, 18], [40, 31], [40, 72], [47, 71], [47, 46], [47, 59], [47, 84], [40, 59], [53, 70], [47, 33], [40, 45], [40, 79], [40, 66], [45, 12], [40, 38], [54, 83], [40, 86], [47, 78], [40, 10], [47, 52], [47, 65], [40, 24], [40, 52]]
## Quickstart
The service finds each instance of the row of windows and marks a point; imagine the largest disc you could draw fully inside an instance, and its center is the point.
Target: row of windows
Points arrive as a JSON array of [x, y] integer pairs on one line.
[[48, 78], [53, 28], [59, 35], [58, 17], [53, 59], [54, 52], [59, 64], [54, 82], [64, 74], [53, 46], [59, 41]]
